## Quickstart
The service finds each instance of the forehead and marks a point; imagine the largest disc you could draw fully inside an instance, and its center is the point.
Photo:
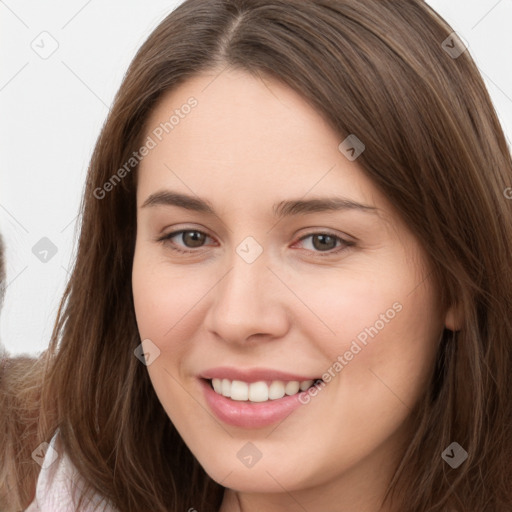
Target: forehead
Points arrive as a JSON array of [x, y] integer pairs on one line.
[[249, 138]]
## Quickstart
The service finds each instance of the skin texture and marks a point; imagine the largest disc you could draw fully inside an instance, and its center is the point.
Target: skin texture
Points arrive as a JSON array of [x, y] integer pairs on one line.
[[250, 143]]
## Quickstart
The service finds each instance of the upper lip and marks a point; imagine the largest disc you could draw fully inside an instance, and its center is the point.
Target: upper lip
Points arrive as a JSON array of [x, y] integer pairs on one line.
[[252, 374]]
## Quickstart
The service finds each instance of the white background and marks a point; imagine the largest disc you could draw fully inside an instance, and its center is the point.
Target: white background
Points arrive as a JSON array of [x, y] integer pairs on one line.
[[52, 111]]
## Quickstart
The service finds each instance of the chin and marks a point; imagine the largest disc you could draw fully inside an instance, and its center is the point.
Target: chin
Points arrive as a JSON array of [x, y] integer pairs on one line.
[[263, 477]]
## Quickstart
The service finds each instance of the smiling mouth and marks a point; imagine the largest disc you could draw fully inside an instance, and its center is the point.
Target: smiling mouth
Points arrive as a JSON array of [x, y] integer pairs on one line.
[[261, 391]]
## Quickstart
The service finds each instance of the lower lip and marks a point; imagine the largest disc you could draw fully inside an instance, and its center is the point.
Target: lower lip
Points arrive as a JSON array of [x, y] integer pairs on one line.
[[249, 414]]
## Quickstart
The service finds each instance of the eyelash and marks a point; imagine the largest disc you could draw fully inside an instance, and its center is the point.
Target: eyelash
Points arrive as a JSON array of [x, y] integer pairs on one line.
[[345, 243]]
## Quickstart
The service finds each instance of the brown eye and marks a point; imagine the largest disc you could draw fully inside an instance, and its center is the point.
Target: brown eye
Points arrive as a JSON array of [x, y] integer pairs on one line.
[[325, 244], [184, 239], [193, 238]]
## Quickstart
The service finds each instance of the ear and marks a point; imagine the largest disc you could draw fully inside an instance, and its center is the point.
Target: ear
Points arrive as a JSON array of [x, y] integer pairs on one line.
[[454, 318]]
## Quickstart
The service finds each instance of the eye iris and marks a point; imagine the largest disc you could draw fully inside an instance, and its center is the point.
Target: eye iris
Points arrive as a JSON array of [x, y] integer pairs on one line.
[[195, 237], [324, 239]]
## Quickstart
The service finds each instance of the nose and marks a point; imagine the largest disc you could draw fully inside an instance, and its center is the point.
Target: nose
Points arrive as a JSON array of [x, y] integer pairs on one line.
[[249, 303]]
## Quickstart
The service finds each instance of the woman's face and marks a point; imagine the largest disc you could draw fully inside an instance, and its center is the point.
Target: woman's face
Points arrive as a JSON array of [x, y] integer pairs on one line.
[[286, 265]]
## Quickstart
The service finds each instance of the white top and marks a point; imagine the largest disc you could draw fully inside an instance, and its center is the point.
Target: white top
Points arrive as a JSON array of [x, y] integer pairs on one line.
[[57, 478]]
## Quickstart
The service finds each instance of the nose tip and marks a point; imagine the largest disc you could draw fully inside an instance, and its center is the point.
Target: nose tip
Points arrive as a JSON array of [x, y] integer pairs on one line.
[[246, 302]]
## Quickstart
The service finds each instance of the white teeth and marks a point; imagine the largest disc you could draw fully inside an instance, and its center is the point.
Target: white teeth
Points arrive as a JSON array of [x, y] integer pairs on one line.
[[276, 390], [217, 386], [239, 390], [292, 387], [258, 391], [305, 384], [226, 387]]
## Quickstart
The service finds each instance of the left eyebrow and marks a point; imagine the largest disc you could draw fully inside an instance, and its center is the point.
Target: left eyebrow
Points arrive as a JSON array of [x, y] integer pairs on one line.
[[282, 209], [301, 207]]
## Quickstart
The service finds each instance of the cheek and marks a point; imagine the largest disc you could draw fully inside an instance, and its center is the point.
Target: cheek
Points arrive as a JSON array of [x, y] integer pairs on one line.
[[379, 335], [153, 305], [163, 304], [165, 297], [382, 366], [347, 307]]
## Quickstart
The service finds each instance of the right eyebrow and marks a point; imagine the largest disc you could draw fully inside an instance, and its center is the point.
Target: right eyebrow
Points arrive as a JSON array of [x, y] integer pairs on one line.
[[170, 198]]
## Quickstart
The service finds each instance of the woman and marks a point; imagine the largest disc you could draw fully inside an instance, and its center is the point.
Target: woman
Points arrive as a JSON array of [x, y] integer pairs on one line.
[[293, 284]]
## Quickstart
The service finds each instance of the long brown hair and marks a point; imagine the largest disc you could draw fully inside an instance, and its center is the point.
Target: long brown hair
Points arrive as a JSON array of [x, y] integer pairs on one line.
[[434, 147]]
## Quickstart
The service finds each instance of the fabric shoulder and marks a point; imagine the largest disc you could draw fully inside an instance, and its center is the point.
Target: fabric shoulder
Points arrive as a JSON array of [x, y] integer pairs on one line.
[[57, 480]]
